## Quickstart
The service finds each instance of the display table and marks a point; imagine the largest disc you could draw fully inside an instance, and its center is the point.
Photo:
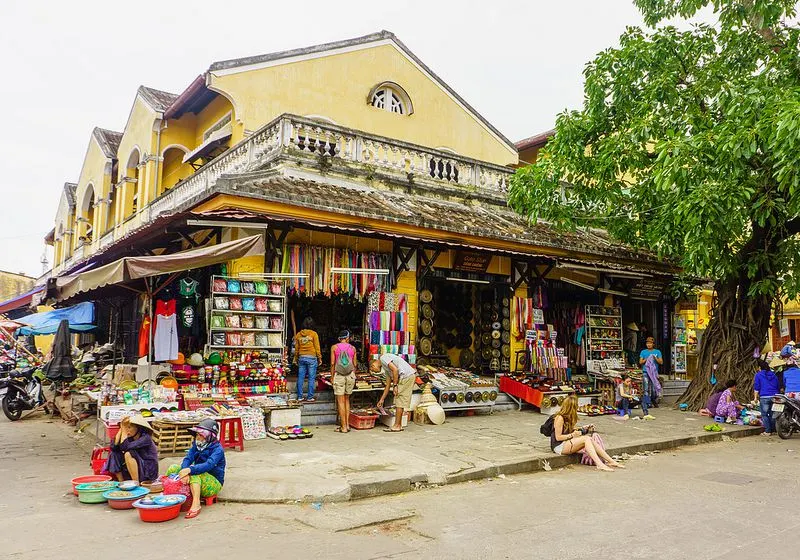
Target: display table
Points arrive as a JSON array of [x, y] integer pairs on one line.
[[548, 402]]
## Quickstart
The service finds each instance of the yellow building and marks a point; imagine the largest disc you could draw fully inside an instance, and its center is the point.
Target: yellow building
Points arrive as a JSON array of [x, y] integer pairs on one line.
[[13, 284], [354, 145]]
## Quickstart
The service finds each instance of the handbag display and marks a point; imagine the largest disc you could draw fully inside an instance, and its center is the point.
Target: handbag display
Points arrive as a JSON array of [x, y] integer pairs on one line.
[[234, 286], [221, 302], [262, 322], [220, 285], [248, 322], [261, 304], [249, 339], [217, 321], [232, 321], [274, 305], [236, 303], [249, 304], [248, 288], [261, 288]]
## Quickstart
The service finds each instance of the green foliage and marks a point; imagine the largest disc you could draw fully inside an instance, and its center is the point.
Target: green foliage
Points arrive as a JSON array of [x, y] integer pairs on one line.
[[688, 144]]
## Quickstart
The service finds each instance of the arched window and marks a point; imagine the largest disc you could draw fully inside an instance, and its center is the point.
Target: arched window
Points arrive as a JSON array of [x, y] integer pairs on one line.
[[390, 97]]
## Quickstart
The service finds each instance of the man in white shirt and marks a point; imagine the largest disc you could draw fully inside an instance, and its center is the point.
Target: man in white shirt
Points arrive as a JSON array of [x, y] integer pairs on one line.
[[398, 376]]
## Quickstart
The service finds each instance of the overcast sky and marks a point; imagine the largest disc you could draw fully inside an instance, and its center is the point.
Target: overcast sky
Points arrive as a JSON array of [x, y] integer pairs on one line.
[[71, 66]]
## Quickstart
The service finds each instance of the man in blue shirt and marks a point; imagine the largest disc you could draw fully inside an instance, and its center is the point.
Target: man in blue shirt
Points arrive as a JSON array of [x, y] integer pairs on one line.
[[651, 350], [791, 379]]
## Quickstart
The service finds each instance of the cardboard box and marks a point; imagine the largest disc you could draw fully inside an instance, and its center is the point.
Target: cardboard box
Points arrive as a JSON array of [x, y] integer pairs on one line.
[[284, 417], [388, 420]]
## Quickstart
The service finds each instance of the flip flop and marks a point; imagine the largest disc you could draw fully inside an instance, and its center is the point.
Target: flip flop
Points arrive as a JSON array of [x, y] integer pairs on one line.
[[192, 514], [391, 430], [340, 430]]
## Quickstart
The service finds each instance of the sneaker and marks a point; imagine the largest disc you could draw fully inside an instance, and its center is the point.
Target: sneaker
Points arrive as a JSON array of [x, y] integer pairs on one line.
[[648, 417], [766, 434], [312, 399]]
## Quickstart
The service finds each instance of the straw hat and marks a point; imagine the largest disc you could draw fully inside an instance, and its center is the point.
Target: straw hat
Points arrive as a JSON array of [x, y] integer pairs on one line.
[[777, 361], [139, 421], [632, 326]]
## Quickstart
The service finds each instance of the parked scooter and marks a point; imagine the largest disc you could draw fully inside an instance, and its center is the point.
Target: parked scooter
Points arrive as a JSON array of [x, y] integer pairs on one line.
[[21, 391], [786, 414]]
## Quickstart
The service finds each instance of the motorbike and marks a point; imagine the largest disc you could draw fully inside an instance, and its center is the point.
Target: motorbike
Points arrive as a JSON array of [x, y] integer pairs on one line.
[[20, 391], [786, 413]]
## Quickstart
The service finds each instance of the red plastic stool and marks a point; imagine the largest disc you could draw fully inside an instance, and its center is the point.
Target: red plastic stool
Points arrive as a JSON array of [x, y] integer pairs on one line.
[[231, 433], [210, 500], [99, 456]]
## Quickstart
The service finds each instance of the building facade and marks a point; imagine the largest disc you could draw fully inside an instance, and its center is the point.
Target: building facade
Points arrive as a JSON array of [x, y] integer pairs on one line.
[[355, 146]]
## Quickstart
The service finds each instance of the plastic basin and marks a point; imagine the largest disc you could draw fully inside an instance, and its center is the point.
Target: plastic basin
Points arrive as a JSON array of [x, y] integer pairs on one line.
[[92, 492], [157, 513], [119, 502], [89, 478]]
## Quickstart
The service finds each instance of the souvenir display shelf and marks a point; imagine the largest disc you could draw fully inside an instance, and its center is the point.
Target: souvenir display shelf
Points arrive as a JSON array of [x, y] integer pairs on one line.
[[275, 316], [603, 336]]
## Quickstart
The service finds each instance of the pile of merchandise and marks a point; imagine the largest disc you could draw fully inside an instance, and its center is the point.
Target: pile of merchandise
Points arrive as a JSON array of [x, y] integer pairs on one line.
[[596, 410], [286, 433]]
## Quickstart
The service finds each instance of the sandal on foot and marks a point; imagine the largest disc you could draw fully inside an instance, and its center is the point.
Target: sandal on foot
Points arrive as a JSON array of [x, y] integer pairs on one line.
[[392, 430], [192, 514], [340, 430]]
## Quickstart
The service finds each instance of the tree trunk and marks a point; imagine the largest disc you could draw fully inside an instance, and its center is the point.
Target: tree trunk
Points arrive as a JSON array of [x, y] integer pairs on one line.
[[737, 328]]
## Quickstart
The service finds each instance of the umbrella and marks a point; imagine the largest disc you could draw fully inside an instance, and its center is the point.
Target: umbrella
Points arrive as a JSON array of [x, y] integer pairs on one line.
[[60, 367]]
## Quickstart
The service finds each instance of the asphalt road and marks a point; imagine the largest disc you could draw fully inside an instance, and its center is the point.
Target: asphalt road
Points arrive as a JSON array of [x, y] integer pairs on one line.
[[710, 501]]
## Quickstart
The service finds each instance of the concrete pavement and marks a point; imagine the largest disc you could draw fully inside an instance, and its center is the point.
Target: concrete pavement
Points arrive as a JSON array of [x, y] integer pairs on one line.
[[334, 467], [734, 498]]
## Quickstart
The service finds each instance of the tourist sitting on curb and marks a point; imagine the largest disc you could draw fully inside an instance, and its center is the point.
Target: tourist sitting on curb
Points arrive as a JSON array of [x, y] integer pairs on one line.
[[765, 385], [203, 468], [567, 438], [728, 407], [133, 455], [712, 402], [625, 397], [343, 377]]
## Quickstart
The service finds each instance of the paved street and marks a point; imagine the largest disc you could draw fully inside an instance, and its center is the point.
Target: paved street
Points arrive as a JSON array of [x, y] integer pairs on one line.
[[703, 501]]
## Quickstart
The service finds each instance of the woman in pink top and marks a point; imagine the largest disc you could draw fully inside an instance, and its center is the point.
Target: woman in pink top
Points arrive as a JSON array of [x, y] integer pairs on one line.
[[343, 377]]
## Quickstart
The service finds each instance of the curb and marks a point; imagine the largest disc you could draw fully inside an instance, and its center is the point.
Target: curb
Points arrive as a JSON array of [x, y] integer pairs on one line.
[[359, 491]]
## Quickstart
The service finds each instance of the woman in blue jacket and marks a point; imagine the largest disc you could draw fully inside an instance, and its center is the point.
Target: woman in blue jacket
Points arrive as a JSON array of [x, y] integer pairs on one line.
[[203, 468]]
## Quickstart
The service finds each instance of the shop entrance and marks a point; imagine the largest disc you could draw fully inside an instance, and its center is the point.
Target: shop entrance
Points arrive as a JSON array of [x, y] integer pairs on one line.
[[465, 323], [330, 314]]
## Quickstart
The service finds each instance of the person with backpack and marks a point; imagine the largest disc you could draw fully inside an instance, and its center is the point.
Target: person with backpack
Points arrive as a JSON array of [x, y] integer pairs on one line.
[[343, 377], [566, 438]]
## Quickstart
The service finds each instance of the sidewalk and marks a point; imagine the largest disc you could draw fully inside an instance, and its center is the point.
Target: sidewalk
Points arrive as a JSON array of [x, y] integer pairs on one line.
[[333, 467]]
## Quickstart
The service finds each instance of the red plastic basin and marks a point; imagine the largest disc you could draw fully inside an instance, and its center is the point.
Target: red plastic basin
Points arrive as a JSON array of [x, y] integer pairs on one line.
[[122, 504], [88, 478], [157, 515]]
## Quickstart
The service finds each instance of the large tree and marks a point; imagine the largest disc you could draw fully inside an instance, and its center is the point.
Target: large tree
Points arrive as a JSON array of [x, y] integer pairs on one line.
[[688, 145]]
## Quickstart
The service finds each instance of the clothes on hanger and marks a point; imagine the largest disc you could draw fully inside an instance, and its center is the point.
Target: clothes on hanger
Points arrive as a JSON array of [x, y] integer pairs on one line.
[[165, 340]]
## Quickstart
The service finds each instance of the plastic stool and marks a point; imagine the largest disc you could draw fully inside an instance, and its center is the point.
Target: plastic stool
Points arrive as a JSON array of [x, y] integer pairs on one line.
[[99, 456], [210, 500], [231, 433]]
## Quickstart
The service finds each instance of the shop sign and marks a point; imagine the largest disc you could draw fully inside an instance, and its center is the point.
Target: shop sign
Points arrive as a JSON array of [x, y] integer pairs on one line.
[[784, 326], [687, 304], [648, 288], [472, 262], [530, 335], [538, 316]]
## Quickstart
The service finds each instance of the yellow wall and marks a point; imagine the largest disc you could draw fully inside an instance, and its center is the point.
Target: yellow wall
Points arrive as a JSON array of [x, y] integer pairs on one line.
[[12, 285], [174, 169], [407, 284], [93, 173], [337, 87], [212, 113]]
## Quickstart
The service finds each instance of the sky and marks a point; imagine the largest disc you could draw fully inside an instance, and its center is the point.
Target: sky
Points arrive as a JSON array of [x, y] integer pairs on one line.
[[71, 66]]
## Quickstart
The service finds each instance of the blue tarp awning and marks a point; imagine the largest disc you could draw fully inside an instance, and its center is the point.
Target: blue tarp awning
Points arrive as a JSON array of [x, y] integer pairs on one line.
[[80, 317]]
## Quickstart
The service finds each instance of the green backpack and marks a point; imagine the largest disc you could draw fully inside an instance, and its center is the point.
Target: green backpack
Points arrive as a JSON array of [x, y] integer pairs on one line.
[[344, 365]]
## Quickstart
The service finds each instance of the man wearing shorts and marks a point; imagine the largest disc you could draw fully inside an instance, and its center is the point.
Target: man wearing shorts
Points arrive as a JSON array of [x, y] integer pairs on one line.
[[343, 377], [399, 377]]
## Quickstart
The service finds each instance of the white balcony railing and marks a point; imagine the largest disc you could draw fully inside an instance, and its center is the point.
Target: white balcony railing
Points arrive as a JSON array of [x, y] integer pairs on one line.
[[299, 135]]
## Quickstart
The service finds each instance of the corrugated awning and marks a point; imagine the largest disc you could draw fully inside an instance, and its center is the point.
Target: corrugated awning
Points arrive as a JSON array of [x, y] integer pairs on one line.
[[132, 268], [22, 300]]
